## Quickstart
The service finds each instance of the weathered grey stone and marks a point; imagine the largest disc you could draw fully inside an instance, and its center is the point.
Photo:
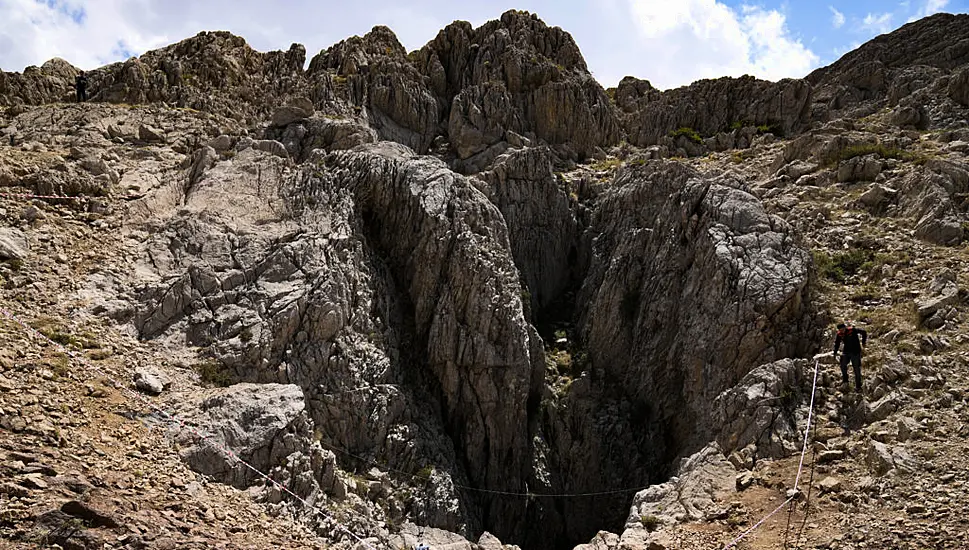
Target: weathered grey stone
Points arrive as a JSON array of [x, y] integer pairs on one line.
[[13, 244], [221, 143], [878, 197], [943, 292], [734, 252], [863, 168], [150, 134], [270, 146], [711, 106], [701, 481], [908, 428], [882, 459], [149, 382], [752, 412], [298, 110], [830, 485], [959, 86]]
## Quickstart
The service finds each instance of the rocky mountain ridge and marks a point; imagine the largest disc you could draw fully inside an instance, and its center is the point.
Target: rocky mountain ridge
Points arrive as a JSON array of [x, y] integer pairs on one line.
[[425, 289]]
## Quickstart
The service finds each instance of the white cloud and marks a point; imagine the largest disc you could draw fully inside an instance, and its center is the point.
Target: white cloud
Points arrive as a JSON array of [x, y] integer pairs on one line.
[[89, 36], [90, 33], [878, 23], [929, 7], [692, 39], [837, 18]]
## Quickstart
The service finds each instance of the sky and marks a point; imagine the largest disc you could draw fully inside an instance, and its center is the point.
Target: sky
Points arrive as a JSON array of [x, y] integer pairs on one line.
[[668, 42]]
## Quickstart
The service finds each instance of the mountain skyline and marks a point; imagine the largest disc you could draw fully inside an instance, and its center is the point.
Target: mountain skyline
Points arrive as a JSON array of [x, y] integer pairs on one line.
[[668, 44]]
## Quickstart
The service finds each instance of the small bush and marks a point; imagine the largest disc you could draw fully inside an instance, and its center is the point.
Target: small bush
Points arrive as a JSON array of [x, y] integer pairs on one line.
[[841, 266], [650, 522], [425, 472], [606, 164], [213, 372], [687, 132], [863, 149]]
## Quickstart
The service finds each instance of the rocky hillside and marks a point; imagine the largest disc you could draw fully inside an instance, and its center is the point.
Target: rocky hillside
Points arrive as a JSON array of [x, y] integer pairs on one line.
[[467, 296]]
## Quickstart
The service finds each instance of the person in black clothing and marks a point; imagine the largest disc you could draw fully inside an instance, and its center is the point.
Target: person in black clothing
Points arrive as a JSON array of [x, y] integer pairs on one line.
[[854, 340], [80, 83]]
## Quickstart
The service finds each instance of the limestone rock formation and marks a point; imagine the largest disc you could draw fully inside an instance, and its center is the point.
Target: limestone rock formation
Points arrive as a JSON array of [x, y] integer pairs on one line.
[[712, 253], [430, 306], [759, 410], [264, 425], [892, 66], [712, 106]]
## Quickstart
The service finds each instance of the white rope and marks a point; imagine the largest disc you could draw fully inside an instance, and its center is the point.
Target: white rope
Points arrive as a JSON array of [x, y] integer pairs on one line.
[[800, 466], [181, 423]]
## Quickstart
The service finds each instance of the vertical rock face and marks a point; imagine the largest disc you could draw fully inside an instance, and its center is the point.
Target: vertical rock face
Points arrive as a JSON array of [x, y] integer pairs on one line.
[[374, 73], [691, 283], [522, 76], [448, 249], [712, 106], [541, 223]]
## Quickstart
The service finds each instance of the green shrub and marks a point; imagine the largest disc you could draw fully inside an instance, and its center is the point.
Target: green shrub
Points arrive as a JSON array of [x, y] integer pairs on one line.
[[842, 265], [606, 164], [863, 149], [687, 132], [213, 372], [650, 522]]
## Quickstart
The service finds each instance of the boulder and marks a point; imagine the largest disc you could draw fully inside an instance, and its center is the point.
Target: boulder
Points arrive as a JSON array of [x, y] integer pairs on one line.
[[943, 292], [878, 198], [150, 134], [298, 109], [150, 381], [862, 168], [13, 244], [701, 482], [883, 459], [753, 411], [958, 89], [265, 425]]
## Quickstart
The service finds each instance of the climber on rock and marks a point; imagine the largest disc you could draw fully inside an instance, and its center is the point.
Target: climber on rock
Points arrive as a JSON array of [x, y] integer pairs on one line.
[[80, 84], [422, 546], [854, 340]]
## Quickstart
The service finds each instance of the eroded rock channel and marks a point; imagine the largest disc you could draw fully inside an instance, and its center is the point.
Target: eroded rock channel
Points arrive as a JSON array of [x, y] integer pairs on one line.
[[402, 299]]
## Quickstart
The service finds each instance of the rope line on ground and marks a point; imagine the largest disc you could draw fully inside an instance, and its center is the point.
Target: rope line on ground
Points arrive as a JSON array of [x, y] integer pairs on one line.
[[32, 196], [797, 479], [181, 423], [807, 498], [491, 491]]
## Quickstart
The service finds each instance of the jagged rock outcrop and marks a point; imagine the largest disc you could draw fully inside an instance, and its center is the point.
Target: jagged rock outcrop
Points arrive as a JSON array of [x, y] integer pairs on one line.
[[216, 72], [516, 74], [541, 223], [690, 284], [50, 82], [759, 410], [375, 74], [712, 106], [891, 66], [929, 196], [265, 425]]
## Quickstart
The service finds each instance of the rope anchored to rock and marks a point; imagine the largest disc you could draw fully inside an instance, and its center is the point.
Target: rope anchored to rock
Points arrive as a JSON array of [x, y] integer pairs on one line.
[[182, 424], [800, 467]]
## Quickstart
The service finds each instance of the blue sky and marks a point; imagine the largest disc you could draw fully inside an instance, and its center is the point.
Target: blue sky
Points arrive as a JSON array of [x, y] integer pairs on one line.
[[669, 42]]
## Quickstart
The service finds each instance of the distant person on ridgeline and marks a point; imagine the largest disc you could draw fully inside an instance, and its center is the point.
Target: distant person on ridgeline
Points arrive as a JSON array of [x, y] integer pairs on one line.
[[80, 83], [854, 340]]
